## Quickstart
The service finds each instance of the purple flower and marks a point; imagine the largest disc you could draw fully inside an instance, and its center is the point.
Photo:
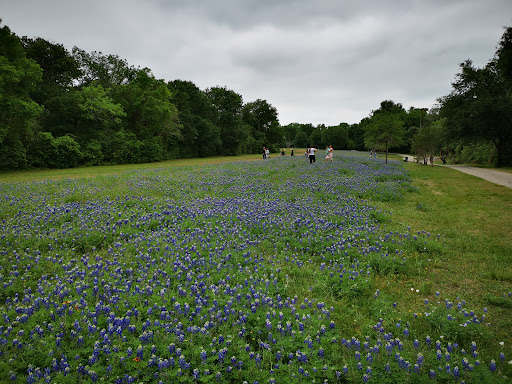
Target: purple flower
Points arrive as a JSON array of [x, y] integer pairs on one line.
[[492, 366]]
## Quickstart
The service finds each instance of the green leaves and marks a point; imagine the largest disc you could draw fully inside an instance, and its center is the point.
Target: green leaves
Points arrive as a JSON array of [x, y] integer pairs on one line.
[[479, 105], [97, 105], [18, 112], [385, 128], [229, 111]]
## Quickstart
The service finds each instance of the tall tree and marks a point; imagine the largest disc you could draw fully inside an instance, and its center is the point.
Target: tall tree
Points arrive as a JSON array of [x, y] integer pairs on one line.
[[60, 69], [356, 135], [385, 128], [151, 116], [301, 139], [201, 137], [430, 138], [108, 70], [480, 103], [19, 76], [234, 134], [337, 136], [315, 138], [289, 132], [414, 120], [262, 117]]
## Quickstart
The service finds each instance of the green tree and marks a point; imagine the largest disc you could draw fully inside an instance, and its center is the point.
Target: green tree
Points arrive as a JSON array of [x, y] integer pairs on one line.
[[234, 134], [480, 103], [124, 147], [297, 134], [60, 68], [385, 128], [19, 76], [60, 152], [201, 137], [315, 138], [289, 132], [57, 94], [151, 116], [89, 115], [99, 107], [414, 119], [262, 118], [301, 139], [337, 136], [99, 116], [356, 136], [430, 138], [67, 152], [108, 70], [63, 114]]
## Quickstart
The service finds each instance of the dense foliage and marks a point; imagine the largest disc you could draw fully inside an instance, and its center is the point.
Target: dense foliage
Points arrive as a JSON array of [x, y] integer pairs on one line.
[[60, 109], [246, 272], [479, 108]]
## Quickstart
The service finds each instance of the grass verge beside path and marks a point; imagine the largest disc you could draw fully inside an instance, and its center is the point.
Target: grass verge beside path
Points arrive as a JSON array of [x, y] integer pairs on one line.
[[473, 215]]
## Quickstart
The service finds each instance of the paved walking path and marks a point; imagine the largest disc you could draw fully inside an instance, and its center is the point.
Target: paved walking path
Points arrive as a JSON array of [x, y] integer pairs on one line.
[[492, 175], [496, 177]]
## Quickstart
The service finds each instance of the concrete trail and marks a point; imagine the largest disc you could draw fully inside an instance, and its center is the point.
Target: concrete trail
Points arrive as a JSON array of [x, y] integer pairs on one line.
[[492, 175], [496, 177]]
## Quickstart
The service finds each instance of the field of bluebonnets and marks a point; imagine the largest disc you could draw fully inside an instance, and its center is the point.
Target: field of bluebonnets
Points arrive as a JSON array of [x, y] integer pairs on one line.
[[243, 272]]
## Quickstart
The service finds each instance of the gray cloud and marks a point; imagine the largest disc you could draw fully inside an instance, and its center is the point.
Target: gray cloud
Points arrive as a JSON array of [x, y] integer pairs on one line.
[[328, 61]]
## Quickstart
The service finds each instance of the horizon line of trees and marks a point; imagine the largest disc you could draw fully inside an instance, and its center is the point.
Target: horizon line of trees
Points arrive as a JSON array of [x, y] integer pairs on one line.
[[62, 109]]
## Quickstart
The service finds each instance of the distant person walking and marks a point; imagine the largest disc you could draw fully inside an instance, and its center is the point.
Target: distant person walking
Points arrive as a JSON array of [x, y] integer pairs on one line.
[[329, 153], [311, 154], [291, 153], [264, 153]]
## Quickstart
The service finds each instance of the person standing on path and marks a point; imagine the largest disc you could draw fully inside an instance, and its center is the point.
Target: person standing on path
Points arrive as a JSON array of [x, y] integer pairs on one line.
[[311, 154]]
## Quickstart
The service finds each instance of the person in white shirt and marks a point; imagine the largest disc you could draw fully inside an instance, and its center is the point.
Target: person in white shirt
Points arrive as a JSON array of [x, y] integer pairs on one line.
[[311, 153]]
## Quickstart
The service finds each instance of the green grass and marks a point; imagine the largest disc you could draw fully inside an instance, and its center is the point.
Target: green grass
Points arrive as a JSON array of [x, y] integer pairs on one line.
[[72, 173], [473, 218]]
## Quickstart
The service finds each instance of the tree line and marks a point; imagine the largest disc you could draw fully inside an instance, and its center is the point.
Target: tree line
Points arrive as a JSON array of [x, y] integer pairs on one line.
[[61, 109]]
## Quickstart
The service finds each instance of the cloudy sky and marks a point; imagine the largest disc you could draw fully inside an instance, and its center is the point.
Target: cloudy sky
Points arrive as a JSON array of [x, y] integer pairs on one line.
[[319, 62]]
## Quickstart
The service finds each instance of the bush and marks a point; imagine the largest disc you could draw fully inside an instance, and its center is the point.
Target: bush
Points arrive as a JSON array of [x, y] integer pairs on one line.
[[152, 149], [122, 147], [67, 152], [469, 152], [92, 154], [42, 151]]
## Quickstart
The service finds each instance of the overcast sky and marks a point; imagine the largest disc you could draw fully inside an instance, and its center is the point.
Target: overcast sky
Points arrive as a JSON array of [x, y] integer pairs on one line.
[[319, 62]]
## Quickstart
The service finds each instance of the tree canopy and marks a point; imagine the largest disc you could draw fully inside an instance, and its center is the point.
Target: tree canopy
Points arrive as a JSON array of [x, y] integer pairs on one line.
[[19, 76], [385, 128], [480, 103], [61, 108]]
